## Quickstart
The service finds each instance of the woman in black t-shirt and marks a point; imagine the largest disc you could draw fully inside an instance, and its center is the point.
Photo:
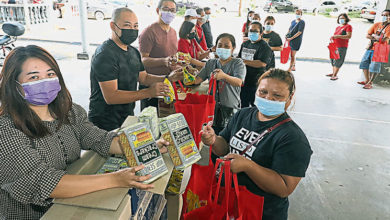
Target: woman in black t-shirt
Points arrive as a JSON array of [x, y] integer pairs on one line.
[[272, 38], [275, 164]]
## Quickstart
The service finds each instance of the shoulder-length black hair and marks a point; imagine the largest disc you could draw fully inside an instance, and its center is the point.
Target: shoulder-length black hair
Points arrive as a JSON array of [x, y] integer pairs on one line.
[[13, 104], [185, 29], [345, 15], [229, 36]]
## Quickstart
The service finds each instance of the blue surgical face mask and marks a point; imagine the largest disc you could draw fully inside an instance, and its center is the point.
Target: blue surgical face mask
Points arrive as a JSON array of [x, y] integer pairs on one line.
[[298, 16], [223, 53], [342, 21], [253, 36], [268, 27], [207, 17], [269, 107], [384, 18]]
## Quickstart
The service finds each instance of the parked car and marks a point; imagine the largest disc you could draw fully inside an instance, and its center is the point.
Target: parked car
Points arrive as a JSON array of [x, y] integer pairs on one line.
[[279, 6], [369, 14], [185, 4], [136, 7], [327, 6], [359, 6], [99, 9]]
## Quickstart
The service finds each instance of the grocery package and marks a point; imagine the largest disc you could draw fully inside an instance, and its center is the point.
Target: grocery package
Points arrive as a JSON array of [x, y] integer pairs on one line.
[[178, 180], [182, 148], [183, 58], [113, 164], [150, 118], [146, 205], [139, 147], [171, 94], [189, 74]]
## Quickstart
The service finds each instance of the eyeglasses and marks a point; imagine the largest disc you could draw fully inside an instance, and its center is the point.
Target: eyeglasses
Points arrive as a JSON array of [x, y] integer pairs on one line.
[[166, 9], [255, 31]]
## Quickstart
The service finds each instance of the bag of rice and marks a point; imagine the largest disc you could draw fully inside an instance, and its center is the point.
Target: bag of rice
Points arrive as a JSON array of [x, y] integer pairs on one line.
[[150, 118]]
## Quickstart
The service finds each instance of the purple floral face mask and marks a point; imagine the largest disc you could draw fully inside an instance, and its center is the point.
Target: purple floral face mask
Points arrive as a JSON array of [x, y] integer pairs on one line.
[[41, 92]]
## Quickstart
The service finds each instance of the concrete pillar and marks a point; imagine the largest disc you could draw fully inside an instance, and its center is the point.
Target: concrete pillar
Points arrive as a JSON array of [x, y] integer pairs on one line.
[[384, 75], [83, 26], [27, 18]]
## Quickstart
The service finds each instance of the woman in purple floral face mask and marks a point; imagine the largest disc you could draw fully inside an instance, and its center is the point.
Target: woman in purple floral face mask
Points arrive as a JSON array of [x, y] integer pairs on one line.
[[41, 133]]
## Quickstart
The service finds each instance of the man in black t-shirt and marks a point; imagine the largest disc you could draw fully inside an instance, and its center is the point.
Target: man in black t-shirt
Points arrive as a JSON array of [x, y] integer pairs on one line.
[[256, 55], [207, 28], [116, 68], [272, 38]]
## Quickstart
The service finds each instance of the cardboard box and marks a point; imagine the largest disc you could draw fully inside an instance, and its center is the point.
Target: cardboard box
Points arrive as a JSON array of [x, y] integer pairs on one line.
[[165, 109], [105, 204], [69, 212]]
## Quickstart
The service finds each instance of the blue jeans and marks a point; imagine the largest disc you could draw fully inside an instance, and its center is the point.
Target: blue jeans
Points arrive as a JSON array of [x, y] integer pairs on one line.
[[367, 63]]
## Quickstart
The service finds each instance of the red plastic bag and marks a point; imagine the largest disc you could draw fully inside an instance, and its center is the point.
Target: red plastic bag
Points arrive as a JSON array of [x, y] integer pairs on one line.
[[227, 202], [210, 210], [285, 53], [198, 110], [333, 51], [381, 52]]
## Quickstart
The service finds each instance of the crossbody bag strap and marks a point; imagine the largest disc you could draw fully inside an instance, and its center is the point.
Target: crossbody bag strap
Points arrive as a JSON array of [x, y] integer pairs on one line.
[[264, 133], [294, 27], [384, 28]]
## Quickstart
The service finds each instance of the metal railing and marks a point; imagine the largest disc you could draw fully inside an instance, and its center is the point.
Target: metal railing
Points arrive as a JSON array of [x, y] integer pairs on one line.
[[36, 13]]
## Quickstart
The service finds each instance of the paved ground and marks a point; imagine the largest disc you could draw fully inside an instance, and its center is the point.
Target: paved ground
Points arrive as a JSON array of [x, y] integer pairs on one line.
[[347, 126]]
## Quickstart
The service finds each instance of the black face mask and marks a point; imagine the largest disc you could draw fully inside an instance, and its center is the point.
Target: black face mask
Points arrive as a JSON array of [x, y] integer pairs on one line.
[[128, 35], [191, 35]]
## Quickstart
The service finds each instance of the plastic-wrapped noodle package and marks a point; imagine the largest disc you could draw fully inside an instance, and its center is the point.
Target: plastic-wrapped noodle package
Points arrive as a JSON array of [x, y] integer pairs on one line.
[[149, 117]]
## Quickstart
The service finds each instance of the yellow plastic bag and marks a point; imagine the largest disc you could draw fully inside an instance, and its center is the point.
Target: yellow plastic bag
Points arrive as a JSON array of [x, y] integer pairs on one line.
[[171, 94], [189, 79], [184, 58]]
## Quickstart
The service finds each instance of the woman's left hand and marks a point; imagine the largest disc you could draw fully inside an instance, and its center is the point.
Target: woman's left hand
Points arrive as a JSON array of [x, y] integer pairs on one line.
[[162, 145], [289, 39], [219, 74], [238, 163]]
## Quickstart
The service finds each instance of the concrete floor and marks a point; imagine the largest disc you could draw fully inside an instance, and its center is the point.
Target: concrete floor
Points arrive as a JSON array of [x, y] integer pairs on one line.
[[348, 128]]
